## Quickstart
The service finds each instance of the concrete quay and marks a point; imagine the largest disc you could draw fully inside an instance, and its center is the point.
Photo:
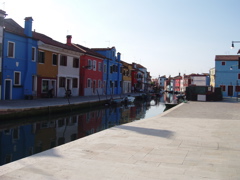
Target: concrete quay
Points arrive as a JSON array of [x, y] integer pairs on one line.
[[194, 140]]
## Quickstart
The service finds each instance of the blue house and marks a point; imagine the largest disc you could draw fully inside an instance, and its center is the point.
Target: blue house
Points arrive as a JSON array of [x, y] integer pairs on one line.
[[18, 60], [112, 74], [227, 74]]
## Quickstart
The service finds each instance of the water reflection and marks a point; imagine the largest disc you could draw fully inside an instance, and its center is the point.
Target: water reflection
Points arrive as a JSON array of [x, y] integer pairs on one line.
[[19, 141]]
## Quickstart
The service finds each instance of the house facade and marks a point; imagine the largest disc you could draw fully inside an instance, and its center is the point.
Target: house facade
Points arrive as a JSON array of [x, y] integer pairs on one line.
[[127, 78], [112, 75], [91, 71], [58, 67], [227, 74], [19, 60]]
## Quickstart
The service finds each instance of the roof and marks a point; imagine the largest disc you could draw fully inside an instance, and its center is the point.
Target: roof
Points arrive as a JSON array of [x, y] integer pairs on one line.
[[89, 51], [13, 27], [47, 40], [227, 57], [102, 49]]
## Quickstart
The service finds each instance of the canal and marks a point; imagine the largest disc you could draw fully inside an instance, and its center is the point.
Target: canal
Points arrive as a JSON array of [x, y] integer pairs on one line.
[[23, 138]]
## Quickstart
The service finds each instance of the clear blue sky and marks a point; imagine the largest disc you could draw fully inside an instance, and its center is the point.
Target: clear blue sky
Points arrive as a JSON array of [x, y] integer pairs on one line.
[[165, 36]]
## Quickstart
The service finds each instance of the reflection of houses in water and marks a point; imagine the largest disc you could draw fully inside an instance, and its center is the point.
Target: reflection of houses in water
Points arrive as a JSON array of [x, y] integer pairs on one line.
[[111, 117], [16, 143], [66, 129], [89, 123], [126, 114], [45, 135]]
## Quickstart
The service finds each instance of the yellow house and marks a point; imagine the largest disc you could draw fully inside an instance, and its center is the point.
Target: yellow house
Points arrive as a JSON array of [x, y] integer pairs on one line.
[[127, 77], [47, 71]]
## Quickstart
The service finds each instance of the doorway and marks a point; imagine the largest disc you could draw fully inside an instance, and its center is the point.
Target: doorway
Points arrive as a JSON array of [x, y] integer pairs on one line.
[[8, 89], [230, 90]]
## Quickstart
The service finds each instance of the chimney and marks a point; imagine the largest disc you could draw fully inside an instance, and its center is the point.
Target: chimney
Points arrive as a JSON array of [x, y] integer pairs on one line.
[[119, 56], [69, 40], [28, 26], [2, 16]]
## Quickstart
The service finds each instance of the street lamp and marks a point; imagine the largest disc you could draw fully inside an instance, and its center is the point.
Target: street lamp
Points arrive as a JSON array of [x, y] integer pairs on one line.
[[233, 43]]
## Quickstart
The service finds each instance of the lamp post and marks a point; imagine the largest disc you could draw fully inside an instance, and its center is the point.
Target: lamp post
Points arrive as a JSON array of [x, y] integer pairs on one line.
[[233, 43]]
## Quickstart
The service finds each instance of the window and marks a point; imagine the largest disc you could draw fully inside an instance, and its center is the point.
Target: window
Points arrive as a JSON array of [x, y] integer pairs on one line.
[[99, 66], [114, 68], [111, 69], [89, 83], [17, 78], [45, 84], [94, 65], [223, 63], [76, 63], [116, 84], [63, 60], [11, 49], [99, 83], [75, 82], [33, 54], [41, 57], [89, 64], [105, 68], [223, 87], [54, 59], [62, 81], [238, 76], [237, 88]]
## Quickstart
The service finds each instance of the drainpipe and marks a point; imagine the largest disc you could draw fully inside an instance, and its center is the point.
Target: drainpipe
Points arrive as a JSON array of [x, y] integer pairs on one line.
[[2, 16]]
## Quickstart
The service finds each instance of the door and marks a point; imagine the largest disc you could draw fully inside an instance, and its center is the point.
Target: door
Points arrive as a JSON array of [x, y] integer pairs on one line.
[[230, 90], [8, 90], [68, 84], [53, 83]]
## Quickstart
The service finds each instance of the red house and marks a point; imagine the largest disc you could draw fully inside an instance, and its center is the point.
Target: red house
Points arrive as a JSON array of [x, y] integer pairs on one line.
[[91, 70], [177, 81]]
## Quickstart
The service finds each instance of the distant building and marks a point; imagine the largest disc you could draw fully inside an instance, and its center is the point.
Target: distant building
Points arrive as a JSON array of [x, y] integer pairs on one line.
[[227, 74], [112, 73], [212, 77]]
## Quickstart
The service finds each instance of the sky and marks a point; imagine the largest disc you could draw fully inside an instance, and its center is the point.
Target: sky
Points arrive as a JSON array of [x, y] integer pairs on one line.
[[167, 37]]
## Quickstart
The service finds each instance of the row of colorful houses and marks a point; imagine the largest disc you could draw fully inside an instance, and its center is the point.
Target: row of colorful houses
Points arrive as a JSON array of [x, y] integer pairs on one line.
[[180, 82], [225, 74], [35, 65]]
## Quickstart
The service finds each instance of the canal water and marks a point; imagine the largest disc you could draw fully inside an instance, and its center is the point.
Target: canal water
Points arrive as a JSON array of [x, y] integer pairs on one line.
[[23, 138]]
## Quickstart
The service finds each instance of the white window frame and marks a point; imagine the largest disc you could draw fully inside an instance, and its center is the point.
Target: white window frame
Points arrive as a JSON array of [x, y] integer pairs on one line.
[[104, 68], [13, 56], [89, 64], [54, 54], [47, 80], [94, 65], [99, 66], [34, 55], [43, 57], [99, 83], [19, 80], [89, 83]]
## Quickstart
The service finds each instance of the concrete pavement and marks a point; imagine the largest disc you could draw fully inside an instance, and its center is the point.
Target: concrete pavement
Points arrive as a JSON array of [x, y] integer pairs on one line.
[[194, 140]]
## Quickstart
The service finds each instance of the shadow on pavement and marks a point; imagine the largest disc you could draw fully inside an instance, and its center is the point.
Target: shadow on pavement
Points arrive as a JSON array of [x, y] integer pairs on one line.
[[148, 131]]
